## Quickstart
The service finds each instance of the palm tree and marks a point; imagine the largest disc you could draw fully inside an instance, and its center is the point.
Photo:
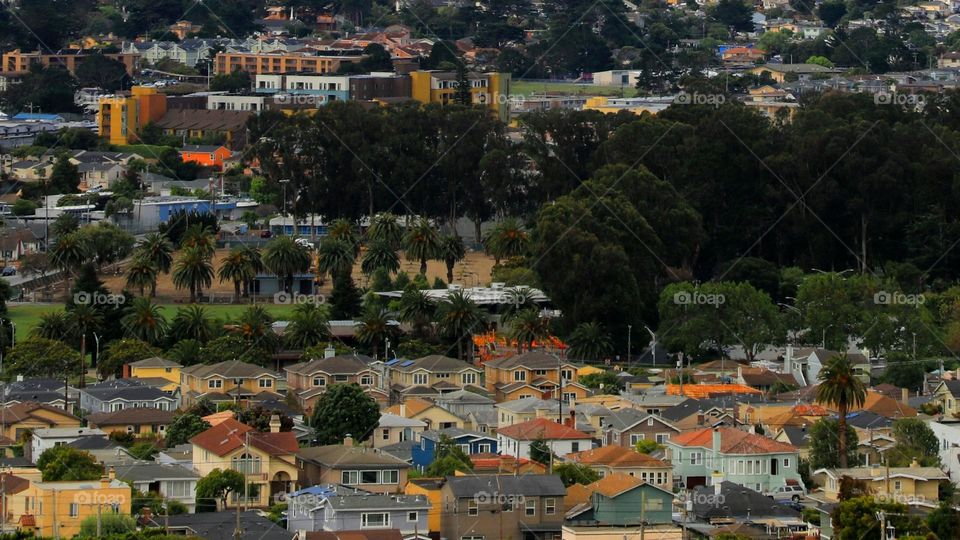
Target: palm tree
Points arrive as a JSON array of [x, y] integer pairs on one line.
[[199, 237], [385, 228], [157, 249], [374, 328], [192, 323], [145, 322], [507, 239], [416, 309], [236, 267], [53, 325], [251, 257], [336, 257], [380, 254], [589, 341], [186, 352], [308, 326], [142, 274], [284, 257], [452, 251], [193, 271], [841, 387], [458, 317], [345, 231], [528, 327], [255, 324], [83, 319], [69, 253], [421, 243]]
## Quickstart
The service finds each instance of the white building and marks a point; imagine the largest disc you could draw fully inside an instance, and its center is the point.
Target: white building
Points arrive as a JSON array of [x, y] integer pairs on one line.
[[517, 439], [948, 437], [47, 438]]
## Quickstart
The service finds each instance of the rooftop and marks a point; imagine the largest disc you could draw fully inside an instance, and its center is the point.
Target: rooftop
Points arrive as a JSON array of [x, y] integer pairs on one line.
[[541, 428]]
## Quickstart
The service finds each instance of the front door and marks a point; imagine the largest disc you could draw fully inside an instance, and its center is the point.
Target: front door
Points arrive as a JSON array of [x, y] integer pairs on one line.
[[774, 463]]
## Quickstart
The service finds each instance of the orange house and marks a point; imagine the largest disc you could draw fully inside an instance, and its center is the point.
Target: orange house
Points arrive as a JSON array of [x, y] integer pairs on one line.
[[206, 155]]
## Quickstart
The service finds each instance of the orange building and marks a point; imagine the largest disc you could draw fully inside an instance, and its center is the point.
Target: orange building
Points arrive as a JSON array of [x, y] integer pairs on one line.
[[282, 62], [16, 62], [122, 117], [703, 391], [205, 155]]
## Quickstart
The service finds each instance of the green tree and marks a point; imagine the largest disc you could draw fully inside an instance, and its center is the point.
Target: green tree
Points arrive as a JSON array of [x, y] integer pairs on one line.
[[647, 446], [575, 473], [67, 464], [344, 299], [186, 352], [192, 323], [607, 381], [944, 521], [903, 371], [421, 243], [540, 451], [217, 486], [107, 525], [238, 81], [336, 256], [99, 71], [385, 228], [41, 358], [145, 321], [285, 258], [452, 251], [589, 342], [458, 318], [64, 224], [236, 267], [142, 273], [124, 351], [839, 386], [417, 309], [527, 327], [193, 271], [308, 326], [24, 207], [914, 440], [855, 518], [733, 14], [184, 428], [65, 176], [380, 254], [157, 249], [507, 239], [448, 459], [375, 328], [344, 409], [825, 448]]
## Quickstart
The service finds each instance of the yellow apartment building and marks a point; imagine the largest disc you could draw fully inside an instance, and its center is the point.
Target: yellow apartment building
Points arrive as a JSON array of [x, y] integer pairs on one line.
[[487, 89], [228, 381], [121, 117]]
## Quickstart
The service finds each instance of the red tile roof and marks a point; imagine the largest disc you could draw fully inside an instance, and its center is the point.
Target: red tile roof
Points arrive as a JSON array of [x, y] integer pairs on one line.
[[615, 456], [229, 435], [732, 441], [709, 390], [284, 442], [541, 428]]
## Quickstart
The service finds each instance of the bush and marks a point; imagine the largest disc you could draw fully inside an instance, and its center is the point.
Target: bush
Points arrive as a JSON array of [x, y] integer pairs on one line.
[[109, 524]]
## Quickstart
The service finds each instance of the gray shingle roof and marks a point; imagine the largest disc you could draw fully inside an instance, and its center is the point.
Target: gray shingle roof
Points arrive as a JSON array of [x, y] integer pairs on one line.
[[545, 485], [142, 471], [532, 360], [434, 363], [335, 365], [229, 369], [339, 456]]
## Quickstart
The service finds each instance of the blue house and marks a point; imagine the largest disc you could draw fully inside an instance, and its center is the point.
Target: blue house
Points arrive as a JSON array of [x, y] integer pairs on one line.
[[470, 442]]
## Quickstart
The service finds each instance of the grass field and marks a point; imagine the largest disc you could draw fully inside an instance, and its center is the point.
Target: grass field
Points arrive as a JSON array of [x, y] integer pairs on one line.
[[527, 88], [27, 316]]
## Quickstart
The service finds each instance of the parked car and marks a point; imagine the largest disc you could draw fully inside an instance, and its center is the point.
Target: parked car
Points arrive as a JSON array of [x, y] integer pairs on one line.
[[787, 493], [8, 271], [265, 234]]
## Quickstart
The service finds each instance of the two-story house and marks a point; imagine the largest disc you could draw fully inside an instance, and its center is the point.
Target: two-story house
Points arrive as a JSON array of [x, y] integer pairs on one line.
[[393, 429], [309, 380], [137, 421], [627, 427], [20, 418], [44, 439], [356, 466], [472, 443], [503, 506], [436, 374], [420, 409], [228, 381], [753, 461], [155, 369], [335, 508], [171, 481], [119, 394], [533, 374], [526, 409], [622, 505], [515, 440], [267, 460], [614, 459], [947, 395], [914, 486]]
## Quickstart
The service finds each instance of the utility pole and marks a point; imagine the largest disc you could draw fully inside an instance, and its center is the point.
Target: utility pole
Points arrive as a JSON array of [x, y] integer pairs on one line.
[[643, 514], [99, 521], [629, 340]]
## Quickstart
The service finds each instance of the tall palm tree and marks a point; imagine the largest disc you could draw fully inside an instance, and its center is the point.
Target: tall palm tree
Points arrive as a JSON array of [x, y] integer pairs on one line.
[[256, 325], [193, 271], [458, 318], [336, 257], [374, 328], [53, 325], [83, 319], [840, 386], [192, 323], [157, 249], [144, 321], [186, 352], [507, 239], [69, 253], [142, 273], [417, 309], [589, 341], [385, 228], [308, 326], [452, 251], [344, 230], [284, 257], [252, 258], [199, 237], [528, 327], [421, 243], [236, 268], [380, 254]]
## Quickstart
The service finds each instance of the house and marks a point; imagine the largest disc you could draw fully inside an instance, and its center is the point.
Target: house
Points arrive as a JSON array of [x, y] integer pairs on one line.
[[526, 409], [46, 438], [119, 394], [332, 507], [205, 155], [420, 409], [706, 391], [220, 525], [309, 380], [431, 490], [789, 72], [438, 373], [515, 440], [764, 379], [949, 60], [182, 454], [267, 460], [15, 242], [699, 413], [357, 466], [393, 429], [914, 486], [624, 505], [99, 175], [947, 395], [18, 419], [503, 506], [750, 460], [532, 374], [464, 402], [948, 437], [154, 368], [103, 450], [627, 427], [136, 420], [227, 381], [503, 464], [805, 363], [171, 481], [471, 443], [486, 89], [795, 436], [608, 460]]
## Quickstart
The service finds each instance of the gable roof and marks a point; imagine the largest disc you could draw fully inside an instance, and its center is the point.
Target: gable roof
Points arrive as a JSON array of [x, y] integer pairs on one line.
[[732, 441], [339, 456], [434, 363], [619, 483], [343, 364], [154, 361], [134, 415], [615, 456], [19, 412], [540, 428], [531, 360], [230, 369], [230, 435], [534, 485], [125, 389], [952, 386]]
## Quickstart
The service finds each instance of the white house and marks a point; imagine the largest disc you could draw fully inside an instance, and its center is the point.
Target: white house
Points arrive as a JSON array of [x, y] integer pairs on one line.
[[516, 440], [169, 480], [948, 436], [47, 438]]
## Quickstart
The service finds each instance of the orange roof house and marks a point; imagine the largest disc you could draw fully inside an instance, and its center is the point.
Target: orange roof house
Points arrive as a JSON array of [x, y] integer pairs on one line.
[[516, 440], [616, 459], [496, 464], [732, 441], [703, 391], [213, 155]]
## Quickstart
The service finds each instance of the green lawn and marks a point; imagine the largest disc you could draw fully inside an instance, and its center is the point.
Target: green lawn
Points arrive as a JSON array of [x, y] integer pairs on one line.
[[527, 88], [27, 316]]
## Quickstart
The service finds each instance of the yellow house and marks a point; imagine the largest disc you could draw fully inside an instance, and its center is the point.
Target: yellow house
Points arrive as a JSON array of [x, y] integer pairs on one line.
[[228, 381], [489, 89], [136, 421], [268, 460], [123, 116], [20, 418], [56, 509], [156, 368], [429, 488], [913, 485], [947, 395], [435, 417]]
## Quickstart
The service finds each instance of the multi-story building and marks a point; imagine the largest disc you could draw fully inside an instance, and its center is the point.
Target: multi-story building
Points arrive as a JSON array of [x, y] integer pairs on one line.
[[121, 117], [232, 380], [608, 460], [300, 61], [335, 508], [487, 89], [532, 374], [503, 506], [517, 439], [56, 509], [356, 466], [17, 62], [119, 394], [188, 52], [434, 374], [309, 380]]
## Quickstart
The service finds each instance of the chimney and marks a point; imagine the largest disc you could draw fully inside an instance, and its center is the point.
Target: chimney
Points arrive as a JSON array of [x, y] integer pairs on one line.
[[275, 424], [112, 474], [348, 440], [739, 373], [403, 410], [914, 464], [329, 351], [570, 421], [788, 361], [905, 396], [700, 418]]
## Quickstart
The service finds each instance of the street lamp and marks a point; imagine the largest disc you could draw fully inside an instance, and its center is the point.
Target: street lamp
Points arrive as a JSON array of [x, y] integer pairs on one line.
[[629, 337], [96, 340]]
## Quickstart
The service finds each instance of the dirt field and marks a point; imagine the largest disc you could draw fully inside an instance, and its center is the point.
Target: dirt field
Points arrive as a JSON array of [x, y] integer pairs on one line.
[[472, 271]]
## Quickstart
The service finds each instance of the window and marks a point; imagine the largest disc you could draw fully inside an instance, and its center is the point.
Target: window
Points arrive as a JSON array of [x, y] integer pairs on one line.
[[574, 447], [319, 381], [375, 520], [520, 375], [567, 374], [472, 509], [391, 477], [483, 448], [246, 463], [74, 509], [662, 437], [420, 379], [265, 383], [412, 517], [215, 383], [897, 485], [696, 458], [369, 477], [385, 434], [786, 463], [178, 488], [540, 372], [366, 380], [469, 378], [650, 421], [341, 378], [530, 508], [653, 504], [349, 478], [116, 406], [549, 506], [636, 437]]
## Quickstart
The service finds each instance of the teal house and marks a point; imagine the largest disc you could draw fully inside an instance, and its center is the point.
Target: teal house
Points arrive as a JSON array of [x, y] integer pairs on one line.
[[620, 500]]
